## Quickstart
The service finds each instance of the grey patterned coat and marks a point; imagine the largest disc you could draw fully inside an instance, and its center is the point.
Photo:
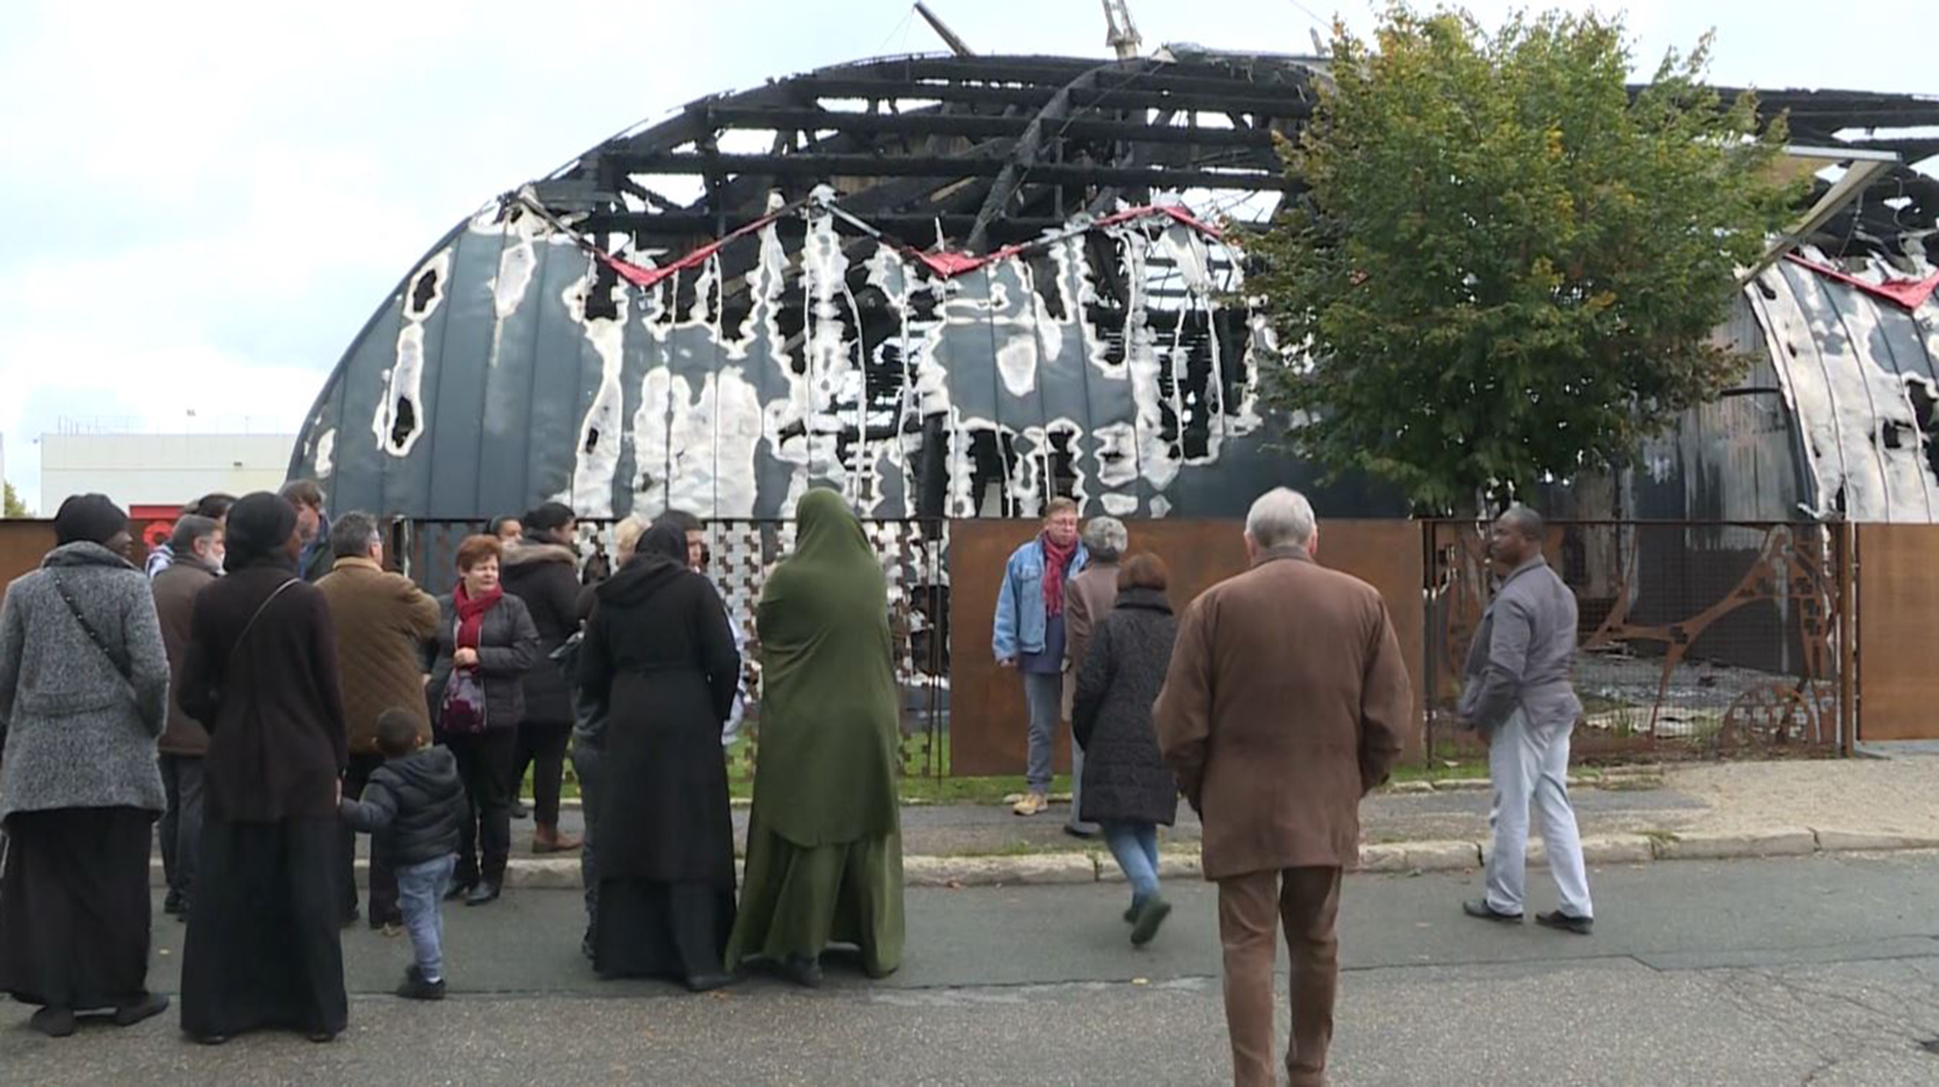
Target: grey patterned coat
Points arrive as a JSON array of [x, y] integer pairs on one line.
[[1125, 776], [78, 733]]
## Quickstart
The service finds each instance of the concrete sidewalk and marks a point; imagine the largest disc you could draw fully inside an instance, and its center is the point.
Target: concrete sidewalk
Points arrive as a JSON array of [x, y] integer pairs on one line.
[[1627, 816]]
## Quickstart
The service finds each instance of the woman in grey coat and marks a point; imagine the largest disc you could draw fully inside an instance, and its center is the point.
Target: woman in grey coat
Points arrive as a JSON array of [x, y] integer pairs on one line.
[[1127, 787], [83, 696]]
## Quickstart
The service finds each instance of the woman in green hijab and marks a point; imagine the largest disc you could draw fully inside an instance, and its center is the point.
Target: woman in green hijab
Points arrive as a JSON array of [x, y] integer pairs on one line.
[[824, 844]]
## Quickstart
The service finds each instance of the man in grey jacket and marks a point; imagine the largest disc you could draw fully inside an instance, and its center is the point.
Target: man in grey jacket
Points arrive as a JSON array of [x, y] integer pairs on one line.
[[1517, 693]]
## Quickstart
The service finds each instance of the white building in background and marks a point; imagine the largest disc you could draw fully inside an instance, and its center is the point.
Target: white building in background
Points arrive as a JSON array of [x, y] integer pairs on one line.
[[142, 471]]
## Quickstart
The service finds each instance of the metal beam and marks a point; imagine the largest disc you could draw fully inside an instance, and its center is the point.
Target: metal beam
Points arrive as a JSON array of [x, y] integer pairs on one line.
[[931, 123], [944, 166], [1127, 97]]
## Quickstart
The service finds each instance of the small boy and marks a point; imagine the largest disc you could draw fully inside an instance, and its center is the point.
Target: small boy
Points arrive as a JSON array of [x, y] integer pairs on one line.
[[411, 808]]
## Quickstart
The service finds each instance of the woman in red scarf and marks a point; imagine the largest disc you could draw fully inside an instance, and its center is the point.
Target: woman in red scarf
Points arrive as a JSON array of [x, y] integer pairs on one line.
[[486, 643]]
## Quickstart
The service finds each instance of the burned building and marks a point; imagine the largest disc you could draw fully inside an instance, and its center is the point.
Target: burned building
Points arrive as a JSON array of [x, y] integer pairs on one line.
[[952, 286]]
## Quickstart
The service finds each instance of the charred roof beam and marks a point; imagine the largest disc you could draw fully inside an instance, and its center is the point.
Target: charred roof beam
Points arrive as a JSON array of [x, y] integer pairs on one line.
[[930, 123], [833, 166]]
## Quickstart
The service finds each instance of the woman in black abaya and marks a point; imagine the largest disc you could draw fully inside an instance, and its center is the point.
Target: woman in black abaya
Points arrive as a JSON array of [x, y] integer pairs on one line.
[[261, 675], [659, 655]]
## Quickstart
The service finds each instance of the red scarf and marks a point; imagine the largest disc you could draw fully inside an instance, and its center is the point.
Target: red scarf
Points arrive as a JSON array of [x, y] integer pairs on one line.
[[1056, 561], [471, 614]]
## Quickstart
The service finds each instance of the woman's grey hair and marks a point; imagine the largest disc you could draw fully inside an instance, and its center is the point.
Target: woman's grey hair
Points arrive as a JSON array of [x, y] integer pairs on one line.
[[1282, 517], [1106, 539]]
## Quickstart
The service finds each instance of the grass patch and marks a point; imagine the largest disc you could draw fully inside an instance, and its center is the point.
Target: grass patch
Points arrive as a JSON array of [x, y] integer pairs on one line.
[[1441, 770]]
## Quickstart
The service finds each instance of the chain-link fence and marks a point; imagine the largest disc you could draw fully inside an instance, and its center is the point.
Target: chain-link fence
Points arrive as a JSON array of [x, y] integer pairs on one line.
[[739, 556], [1696, 638]]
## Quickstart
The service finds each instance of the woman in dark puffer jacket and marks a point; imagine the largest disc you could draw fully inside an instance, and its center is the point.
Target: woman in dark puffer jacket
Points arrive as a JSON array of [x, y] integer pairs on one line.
[[1127, 787]]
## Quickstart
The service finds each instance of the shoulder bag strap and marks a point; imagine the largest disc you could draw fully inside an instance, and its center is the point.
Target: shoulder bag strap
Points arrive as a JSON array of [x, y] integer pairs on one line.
[[260, 609], [120, 666]]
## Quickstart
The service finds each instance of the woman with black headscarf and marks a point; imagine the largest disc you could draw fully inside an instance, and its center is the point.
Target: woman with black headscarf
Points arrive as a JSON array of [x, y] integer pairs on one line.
[[261, 676], [659, 653], [83, 696]]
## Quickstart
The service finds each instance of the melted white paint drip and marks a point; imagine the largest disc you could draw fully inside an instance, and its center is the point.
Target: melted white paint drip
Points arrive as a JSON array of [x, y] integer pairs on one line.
[[516, 263], [403, 386], [326, 451], [597, 453]]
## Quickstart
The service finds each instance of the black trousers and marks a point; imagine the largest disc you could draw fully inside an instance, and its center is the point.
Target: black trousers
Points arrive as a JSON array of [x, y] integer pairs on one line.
[[181, 826], [542, 747], [383, 881], [485, 841]]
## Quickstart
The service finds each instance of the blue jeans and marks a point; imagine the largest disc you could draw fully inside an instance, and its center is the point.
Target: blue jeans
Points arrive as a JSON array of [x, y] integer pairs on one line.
[[420, 897], [1135, 845]]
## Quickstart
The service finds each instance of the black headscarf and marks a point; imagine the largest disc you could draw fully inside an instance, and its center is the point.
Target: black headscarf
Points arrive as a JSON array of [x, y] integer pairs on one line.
[[660, 543], [259, 529], [659, 559], [90, 518]]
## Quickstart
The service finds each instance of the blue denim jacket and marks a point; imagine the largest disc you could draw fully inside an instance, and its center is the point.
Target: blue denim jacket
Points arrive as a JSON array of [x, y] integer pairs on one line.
[[1020, 617]]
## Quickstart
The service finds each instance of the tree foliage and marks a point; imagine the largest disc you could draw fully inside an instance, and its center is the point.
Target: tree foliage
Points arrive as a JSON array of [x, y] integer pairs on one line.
[[12, 505], [1506, 266]]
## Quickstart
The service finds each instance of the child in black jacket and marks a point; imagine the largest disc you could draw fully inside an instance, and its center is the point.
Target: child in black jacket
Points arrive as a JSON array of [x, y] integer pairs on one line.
[[412, 809]]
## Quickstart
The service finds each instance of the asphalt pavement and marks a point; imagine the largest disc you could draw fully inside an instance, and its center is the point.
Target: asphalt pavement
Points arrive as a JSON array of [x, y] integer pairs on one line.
[[1821, 970]]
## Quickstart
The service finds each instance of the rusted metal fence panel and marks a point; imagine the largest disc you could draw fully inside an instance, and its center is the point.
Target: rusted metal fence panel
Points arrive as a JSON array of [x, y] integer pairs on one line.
[[988, 723], [23, 543], [1697, 638], [1898, 591]]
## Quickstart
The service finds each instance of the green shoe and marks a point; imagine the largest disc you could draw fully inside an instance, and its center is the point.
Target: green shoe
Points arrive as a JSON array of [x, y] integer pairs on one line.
[[1150, 916]]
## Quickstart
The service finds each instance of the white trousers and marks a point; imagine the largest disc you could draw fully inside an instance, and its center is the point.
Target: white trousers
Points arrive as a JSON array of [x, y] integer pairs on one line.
[[1531, 765]]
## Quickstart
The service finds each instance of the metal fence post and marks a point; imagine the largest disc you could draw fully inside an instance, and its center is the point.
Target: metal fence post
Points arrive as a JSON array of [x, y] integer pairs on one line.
[[1847, 636]]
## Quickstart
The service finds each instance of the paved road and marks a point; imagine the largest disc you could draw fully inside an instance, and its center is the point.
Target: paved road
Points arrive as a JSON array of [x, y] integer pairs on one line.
[[1385, 817], [1821, 970]]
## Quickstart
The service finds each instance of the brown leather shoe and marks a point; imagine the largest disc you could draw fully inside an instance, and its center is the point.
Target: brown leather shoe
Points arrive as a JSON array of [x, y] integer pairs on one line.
[[547, 839]]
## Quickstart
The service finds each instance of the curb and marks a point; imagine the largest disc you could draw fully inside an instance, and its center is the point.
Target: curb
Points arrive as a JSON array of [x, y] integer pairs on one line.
[[1064, 868]]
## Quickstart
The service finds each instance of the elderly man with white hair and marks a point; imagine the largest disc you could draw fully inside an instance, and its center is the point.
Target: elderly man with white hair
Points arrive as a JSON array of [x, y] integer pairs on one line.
[[1284, 705]]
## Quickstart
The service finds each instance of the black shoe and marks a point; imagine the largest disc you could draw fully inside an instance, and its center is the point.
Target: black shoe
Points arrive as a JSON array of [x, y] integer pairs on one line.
[[350, 917], [322, 1037], [174, 906], [127, 1015], [1151, 914], [707, 983], [520, 811], [803, 971], [485, 893], [209, 1039], [53, 1022], [1479, 908], [416, 988], [458, 889], [1080, 831], [1581, 926], [1131, 914]]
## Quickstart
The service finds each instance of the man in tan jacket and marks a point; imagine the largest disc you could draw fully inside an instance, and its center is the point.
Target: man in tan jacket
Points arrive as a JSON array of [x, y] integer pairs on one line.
[[383, 622], [1284, 705]]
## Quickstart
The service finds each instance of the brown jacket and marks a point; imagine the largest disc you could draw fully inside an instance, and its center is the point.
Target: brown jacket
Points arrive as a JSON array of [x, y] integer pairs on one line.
[[1284, 705], [383, 623], [1088, 598], [175, 590]]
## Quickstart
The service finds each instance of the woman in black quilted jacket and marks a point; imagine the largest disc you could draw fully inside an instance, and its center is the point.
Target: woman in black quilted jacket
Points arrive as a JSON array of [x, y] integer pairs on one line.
[[1127, 787]]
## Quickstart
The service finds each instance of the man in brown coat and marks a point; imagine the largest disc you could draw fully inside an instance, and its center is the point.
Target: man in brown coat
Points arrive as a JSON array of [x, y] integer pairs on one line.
[[1088, 598], [1283, 706], [383, 622], [196, 551]]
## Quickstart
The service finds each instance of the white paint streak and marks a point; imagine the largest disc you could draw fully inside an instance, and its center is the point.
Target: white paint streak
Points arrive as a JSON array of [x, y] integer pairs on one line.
[[399, 420], [597, 453], [326, 451]]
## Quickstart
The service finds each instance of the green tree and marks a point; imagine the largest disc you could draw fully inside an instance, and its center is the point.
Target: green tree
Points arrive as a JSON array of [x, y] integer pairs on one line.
[[13, 506], [1505, 266]]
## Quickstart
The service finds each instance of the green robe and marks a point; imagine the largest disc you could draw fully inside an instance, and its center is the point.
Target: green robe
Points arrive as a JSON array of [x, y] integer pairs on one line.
[[824, 850]]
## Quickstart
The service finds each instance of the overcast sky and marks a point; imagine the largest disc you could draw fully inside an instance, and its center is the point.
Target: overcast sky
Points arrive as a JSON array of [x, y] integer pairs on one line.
[[210, 198]]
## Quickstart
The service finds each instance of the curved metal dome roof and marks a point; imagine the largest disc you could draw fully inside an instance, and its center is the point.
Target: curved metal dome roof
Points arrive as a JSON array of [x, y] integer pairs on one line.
[[948, 285]]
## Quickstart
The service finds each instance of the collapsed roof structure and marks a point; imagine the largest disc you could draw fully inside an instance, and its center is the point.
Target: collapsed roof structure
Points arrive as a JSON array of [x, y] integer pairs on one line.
[[955, 285]]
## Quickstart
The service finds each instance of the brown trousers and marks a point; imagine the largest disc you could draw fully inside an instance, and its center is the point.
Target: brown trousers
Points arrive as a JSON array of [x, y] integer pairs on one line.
[[1306, 901]]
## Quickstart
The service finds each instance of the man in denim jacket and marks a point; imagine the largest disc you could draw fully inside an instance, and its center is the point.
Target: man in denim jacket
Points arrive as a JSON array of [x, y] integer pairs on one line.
[[1029, 636], [1517, 693]]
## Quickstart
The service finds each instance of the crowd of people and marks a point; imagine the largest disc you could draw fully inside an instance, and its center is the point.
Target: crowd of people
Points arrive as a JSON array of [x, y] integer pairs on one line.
[[265, 689], [265, 705]]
